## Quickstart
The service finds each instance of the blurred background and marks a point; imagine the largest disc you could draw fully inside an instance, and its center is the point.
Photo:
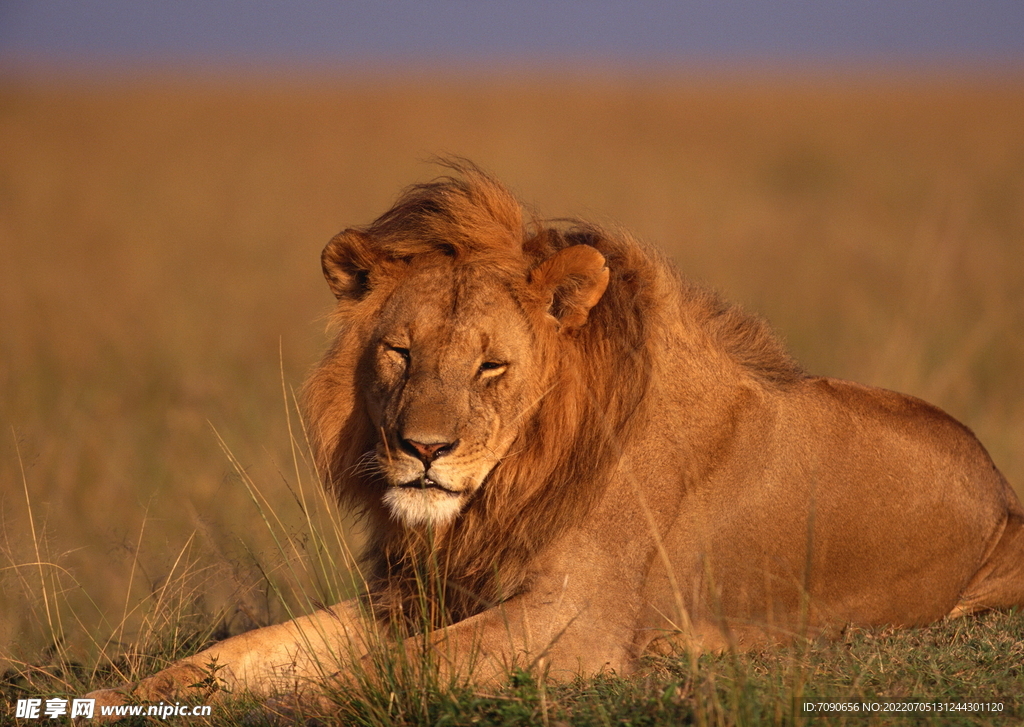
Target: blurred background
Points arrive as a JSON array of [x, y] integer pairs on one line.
[[169, 173]]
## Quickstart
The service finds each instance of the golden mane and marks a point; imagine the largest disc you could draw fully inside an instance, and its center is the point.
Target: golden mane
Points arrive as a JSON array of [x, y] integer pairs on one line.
[[558, 467]]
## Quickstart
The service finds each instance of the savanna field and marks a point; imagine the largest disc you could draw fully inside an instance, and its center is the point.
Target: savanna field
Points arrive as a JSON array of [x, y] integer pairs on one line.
[[161, 301]]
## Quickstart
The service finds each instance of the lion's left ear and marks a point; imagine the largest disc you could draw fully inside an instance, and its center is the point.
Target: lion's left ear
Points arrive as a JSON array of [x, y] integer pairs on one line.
[[571, 281]]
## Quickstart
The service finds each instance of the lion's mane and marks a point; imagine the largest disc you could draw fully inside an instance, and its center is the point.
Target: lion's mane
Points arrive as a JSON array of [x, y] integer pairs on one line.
[[557, 469]]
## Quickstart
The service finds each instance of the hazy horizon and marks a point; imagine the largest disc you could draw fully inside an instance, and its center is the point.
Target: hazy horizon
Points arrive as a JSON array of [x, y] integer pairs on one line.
[[119, 36]]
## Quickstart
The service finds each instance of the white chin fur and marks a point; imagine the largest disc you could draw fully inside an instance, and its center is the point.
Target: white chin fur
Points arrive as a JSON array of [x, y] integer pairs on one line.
[[414, 506]]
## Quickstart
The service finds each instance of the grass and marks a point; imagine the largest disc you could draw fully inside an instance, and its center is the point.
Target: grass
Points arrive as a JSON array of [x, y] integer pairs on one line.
[[960, 665], [159, 277], [951, 664]]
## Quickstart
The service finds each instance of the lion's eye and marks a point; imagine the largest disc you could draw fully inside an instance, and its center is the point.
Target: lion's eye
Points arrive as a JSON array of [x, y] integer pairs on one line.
[[400, 352], [492, 368]]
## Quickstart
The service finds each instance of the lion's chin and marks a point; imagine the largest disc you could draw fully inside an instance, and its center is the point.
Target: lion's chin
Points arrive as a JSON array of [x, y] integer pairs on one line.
[[423, 505]]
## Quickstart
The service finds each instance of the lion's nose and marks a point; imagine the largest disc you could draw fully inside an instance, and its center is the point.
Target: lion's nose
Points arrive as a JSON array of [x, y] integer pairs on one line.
[[427, 452]]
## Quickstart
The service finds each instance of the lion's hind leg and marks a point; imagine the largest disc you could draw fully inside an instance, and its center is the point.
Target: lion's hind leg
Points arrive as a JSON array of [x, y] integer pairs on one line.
[[999, 583]]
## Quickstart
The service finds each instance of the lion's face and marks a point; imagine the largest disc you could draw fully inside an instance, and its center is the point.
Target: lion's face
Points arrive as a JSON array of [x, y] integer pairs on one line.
[[454, 372]]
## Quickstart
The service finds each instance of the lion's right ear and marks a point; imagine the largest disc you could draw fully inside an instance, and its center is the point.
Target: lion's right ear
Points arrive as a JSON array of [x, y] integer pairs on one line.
[[347, 261]]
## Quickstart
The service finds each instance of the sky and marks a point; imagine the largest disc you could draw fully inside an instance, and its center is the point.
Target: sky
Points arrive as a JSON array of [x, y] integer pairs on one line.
[[134, 34]]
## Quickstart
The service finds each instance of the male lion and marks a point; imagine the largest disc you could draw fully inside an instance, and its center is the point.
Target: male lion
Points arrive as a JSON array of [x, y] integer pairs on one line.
[[566, 456]]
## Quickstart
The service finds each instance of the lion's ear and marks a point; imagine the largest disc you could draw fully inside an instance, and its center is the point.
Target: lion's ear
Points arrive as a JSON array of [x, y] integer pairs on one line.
[[571, 281], [347, 261]]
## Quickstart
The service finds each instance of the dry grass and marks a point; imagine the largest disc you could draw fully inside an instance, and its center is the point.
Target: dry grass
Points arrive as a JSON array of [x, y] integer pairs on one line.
[[159, 252]]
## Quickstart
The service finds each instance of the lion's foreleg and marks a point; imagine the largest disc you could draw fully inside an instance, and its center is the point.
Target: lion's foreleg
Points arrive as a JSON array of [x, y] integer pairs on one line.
[[532, 633], [282, 659]]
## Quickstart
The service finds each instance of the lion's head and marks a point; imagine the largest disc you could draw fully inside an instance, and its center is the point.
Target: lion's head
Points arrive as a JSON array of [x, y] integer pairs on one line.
[[481, 372], [454, 362]]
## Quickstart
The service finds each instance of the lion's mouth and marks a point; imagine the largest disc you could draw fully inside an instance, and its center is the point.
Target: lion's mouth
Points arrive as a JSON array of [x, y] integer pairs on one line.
[[425, 483]]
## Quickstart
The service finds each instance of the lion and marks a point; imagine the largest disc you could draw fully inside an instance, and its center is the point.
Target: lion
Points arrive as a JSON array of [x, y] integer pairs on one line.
[[566, 456]]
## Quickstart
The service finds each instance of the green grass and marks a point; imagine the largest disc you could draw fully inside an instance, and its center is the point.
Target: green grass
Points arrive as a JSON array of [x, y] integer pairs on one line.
[[159, 246], [954, 664]]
